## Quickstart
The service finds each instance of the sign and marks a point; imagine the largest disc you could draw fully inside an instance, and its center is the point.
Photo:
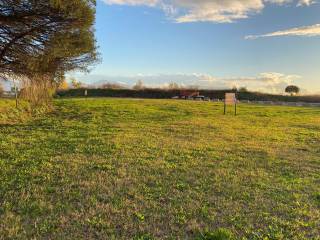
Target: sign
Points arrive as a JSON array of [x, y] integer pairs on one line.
[[230, 99]]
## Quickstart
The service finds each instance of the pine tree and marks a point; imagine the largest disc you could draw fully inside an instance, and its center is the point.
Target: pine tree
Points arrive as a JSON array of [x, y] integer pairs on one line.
[[46, 37]]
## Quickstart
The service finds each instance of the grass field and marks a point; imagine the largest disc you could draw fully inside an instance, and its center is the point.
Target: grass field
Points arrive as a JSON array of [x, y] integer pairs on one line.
[[159, 169]]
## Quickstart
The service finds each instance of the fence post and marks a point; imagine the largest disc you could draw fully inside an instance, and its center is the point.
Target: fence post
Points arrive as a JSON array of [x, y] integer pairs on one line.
[[15, 93]]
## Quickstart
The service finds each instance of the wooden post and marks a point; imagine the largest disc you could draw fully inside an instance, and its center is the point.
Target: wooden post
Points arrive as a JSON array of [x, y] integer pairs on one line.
[[225, 106], [15, 93]]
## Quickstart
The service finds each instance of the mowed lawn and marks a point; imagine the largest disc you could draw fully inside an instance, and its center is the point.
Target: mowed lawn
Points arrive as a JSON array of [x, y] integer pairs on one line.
[[159, 169]]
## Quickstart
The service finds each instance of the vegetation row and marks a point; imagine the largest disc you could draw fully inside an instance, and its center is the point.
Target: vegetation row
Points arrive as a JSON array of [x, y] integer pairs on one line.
[[166, 94]]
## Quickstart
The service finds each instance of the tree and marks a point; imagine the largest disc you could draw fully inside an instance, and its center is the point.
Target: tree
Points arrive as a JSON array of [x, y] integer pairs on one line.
[[193, 87], [292, 89], [139, 85], [112, 86], [243, 89], [76, 84], [41, 40], [173, 86], [63, 85], [234, 89]]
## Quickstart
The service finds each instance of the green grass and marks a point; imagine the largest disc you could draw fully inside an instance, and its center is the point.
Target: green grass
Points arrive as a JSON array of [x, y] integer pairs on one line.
[[10, 114], [160, 169]]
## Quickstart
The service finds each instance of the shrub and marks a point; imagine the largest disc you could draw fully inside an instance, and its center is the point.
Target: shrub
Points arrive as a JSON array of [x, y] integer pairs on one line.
[[38, 92], [167, 94]]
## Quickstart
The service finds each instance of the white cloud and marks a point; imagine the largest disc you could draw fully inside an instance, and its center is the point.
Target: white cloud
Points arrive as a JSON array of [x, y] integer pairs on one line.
[[270, 82], [308, 31], [305, 3], [132, 2], [220, 11]]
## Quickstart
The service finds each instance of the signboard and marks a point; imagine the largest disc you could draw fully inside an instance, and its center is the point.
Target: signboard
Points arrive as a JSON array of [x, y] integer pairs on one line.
[[230, 99]]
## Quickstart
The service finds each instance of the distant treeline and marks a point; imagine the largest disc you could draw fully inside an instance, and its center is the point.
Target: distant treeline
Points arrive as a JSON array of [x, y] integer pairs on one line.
[[167, 94]]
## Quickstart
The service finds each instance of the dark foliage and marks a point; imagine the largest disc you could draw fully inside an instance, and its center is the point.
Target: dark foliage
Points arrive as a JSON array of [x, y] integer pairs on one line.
[[46, 36], [292, 89], [166, 94]]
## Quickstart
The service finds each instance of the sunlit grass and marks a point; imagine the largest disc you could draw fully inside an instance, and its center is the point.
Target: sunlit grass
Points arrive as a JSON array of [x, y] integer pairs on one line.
[[160, 169]]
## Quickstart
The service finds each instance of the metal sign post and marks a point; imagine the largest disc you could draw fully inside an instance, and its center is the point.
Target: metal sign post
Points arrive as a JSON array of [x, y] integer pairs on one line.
[[230, 99]]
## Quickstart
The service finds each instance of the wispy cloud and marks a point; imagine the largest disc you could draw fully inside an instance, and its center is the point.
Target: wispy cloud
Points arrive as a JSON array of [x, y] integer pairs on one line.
[[132, 2], [271, 82], [302, 3], [209, 10], [307, 31]]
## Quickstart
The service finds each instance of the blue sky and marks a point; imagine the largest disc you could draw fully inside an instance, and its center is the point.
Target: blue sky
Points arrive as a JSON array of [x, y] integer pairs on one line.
[[263, 45]]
